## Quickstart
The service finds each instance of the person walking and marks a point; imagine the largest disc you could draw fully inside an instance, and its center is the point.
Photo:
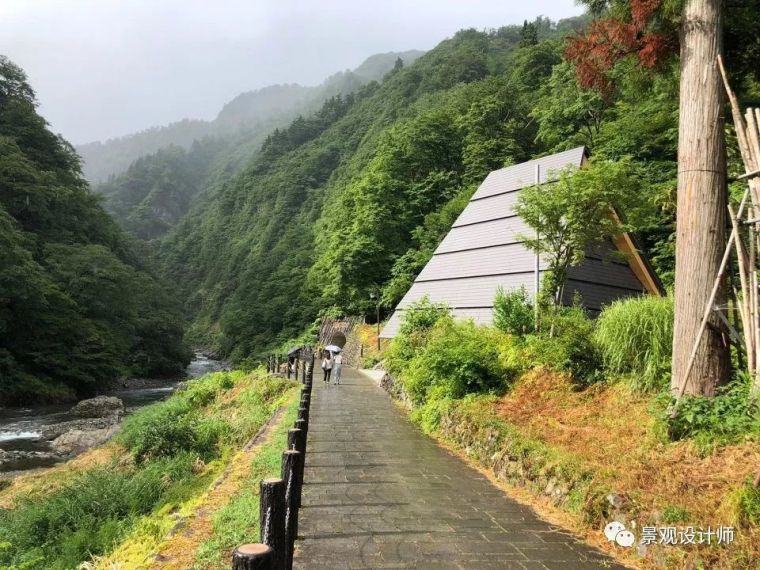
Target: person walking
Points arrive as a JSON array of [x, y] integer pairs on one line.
[[327, 364], [338, 364]]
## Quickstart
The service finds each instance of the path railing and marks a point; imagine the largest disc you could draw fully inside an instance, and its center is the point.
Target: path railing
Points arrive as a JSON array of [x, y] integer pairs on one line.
[[280, 498], [295, 367]]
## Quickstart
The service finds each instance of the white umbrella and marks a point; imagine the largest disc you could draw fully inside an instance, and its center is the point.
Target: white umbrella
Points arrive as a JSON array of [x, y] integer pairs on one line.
[[333, 348]]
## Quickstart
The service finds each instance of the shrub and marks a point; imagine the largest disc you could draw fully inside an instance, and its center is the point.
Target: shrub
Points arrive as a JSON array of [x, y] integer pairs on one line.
[[422, 316], [429, 415], [720, 420], [565, 345], [371, 360], [635, 337], [418, 320], [513, 312], [171, 427], [165, 434], [458, 358]]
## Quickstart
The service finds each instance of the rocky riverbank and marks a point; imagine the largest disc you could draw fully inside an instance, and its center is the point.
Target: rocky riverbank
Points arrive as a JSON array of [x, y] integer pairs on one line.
[[94, 421], [41, 436]]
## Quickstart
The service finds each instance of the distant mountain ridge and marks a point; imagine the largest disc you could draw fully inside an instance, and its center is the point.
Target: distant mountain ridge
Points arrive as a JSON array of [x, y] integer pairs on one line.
[[262, 109]]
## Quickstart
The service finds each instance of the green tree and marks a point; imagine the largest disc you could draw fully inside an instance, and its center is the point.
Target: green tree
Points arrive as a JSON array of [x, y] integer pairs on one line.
[[71, 283], [528, 34], [567, 113], [572, 215]]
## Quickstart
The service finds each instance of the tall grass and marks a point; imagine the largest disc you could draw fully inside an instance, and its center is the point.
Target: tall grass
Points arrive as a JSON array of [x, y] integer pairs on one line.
[[635, 337], [87, 516]]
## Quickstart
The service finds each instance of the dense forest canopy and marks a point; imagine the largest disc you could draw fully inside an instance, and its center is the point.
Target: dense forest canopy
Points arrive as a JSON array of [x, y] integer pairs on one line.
[[79, 302]]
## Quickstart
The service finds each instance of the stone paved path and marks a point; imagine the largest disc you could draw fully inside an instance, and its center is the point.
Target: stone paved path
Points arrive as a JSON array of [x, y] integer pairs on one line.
[[380, 494]]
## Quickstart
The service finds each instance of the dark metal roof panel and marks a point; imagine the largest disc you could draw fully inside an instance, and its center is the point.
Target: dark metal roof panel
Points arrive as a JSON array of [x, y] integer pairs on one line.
[[595, 295]]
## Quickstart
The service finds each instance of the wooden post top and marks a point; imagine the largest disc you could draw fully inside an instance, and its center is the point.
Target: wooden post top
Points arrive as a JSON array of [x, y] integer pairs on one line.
[[253, 549]]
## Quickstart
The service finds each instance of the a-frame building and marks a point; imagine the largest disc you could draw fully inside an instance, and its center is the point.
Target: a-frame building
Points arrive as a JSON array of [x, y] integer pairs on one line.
[[483, 251]]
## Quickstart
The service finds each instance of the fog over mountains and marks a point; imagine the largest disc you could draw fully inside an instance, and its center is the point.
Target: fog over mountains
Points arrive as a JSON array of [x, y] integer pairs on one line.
[[258, 111]]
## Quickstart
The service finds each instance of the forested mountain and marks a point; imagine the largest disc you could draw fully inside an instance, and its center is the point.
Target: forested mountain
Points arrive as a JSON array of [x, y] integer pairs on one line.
[[79, 302], [156, 190], [256, 112], [354, 198]]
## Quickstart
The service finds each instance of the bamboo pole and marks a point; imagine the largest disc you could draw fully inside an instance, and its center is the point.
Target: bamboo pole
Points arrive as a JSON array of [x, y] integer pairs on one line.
[[748, 136], [744, 302], [738, 121]]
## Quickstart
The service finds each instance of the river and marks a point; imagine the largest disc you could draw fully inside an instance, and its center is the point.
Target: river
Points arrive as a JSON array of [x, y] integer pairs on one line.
[[21, 428]]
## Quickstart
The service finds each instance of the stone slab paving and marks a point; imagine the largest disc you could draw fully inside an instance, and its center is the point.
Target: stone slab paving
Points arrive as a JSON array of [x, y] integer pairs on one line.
[[378, 493]]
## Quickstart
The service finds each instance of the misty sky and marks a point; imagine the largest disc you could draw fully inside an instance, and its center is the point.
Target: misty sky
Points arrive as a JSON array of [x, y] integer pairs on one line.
[[104, 68]]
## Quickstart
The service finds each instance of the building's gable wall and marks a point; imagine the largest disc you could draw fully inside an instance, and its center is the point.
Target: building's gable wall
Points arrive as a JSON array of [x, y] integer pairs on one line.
[[484, 251]]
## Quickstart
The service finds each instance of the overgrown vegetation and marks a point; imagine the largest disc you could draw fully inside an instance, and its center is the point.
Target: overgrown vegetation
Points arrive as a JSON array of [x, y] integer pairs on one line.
[[636, 338], [170, 450], [726, 418], [437, 359]]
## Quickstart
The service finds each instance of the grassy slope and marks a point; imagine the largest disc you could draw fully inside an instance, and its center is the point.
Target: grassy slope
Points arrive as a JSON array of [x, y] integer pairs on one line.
[[181, 481], [204, 530]]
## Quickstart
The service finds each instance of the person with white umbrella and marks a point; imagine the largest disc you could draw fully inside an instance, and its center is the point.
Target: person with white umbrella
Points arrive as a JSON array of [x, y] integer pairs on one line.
[[332, 363], [327, 364]]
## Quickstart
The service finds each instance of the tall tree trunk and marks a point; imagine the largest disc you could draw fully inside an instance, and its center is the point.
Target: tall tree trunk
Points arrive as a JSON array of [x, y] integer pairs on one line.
[[701, 215]]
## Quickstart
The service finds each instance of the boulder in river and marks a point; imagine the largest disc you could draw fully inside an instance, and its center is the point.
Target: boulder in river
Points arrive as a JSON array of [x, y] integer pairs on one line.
[[99, 407], [78, 440]]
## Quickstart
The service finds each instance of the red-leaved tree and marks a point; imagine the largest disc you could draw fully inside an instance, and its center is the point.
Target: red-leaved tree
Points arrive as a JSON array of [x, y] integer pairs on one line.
[[643, 33]]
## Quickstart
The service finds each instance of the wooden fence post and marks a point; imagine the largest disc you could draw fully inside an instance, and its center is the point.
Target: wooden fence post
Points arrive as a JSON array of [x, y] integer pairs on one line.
[[291, 460], [253, 557], [297, 441], [272, 518], [304, 427]]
